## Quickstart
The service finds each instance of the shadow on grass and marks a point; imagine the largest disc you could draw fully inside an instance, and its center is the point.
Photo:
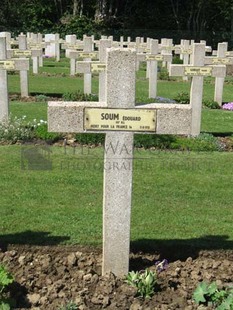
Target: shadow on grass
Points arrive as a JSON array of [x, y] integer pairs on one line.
[[181, 249], [29, 237], [221, 134]]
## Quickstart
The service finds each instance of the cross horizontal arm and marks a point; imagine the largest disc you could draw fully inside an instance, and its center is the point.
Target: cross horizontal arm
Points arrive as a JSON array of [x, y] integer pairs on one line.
[[14, 64], [90, 66], [189, 70], [218, 60], [25, 53], [69, 117]]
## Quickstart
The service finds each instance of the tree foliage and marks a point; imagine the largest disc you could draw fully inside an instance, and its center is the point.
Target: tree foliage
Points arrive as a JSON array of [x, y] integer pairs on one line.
[[191, 19]]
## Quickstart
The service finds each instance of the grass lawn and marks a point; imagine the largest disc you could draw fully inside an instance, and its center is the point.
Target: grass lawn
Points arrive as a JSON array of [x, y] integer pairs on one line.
[[178, 198], [213, 121]]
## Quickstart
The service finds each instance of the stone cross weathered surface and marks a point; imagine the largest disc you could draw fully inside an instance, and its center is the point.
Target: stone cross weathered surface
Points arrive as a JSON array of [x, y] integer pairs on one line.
[[119, 119], [29, 53], [71, 51], [23, 72], [96, 66], [221, 59], [7, 65], [197, 71], [152, 58], [184, 50], [166, 48]]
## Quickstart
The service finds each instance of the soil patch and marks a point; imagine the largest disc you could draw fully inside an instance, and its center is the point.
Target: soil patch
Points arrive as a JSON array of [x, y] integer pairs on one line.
[[48, 277]]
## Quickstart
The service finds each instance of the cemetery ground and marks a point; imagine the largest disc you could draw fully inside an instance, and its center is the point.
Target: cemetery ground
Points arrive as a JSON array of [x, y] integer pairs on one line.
[[51, 220]]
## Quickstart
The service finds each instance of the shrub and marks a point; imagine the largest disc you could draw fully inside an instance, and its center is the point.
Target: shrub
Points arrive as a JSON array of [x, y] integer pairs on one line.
[[14, 129], [163, 74], [211, 104], [157, 141], [182, 98], [177, 60], [41, 98], [210, 295], [79, 96], [41, 132], [5, 280], [90, 138], [203, 142], [146, 280]]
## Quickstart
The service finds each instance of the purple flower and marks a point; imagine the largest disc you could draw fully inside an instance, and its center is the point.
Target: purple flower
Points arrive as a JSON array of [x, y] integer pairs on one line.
[[228, 106], [161, 265]]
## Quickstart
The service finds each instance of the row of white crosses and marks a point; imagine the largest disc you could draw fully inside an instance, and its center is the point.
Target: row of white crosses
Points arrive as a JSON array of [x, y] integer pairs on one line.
[[118, 117], [22, 65], [197, 70], [220, 59], [27, 48], [88, 66]]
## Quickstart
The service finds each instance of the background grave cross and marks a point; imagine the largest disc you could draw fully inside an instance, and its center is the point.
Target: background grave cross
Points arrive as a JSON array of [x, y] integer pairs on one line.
[[221, 59], [89, 67], [29, 53], [197, 71], [8, 65], [87, 54], [185, 51], [152, 58], [114, 117]]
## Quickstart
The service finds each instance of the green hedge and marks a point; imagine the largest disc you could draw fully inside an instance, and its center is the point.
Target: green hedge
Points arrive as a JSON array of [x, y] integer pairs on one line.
[[204, 142]]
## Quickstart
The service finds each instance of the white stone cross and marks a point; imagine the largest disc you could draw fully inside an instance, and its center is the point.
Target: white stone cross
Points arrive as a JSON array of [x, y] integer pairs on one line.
[[7, 65], [29, 53], [23, 72], [89, 67], [35, 42], [88, 48], [152, 58], [166, 48], [71, 47], [197, 71], [184, 50], [221, 59], [118, 117]]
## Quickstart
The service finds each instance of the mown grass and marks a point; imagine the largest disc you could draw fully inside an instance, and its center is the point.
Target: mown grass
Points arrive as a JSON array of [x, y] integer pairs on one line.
[[177, 196], [213, 121]]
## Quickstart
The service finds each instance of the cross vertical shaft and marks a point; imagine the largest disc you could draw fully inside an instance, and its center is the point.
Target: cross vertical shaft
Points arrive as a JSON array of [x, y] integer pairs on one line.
[[4, 100], [118, 166]]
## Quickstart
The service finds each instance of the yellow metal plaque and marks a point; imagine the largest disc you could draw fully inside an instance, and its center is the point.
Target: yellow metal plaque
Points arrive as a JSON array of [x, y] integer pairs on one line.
[[92, 55], [98, 67], [7, 64], [195, 71], [154, 57], [167, 48], [26, 53], [131, 44], [35, 46], [74, 46], [221, 61], [104, 119], [186, 51]]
